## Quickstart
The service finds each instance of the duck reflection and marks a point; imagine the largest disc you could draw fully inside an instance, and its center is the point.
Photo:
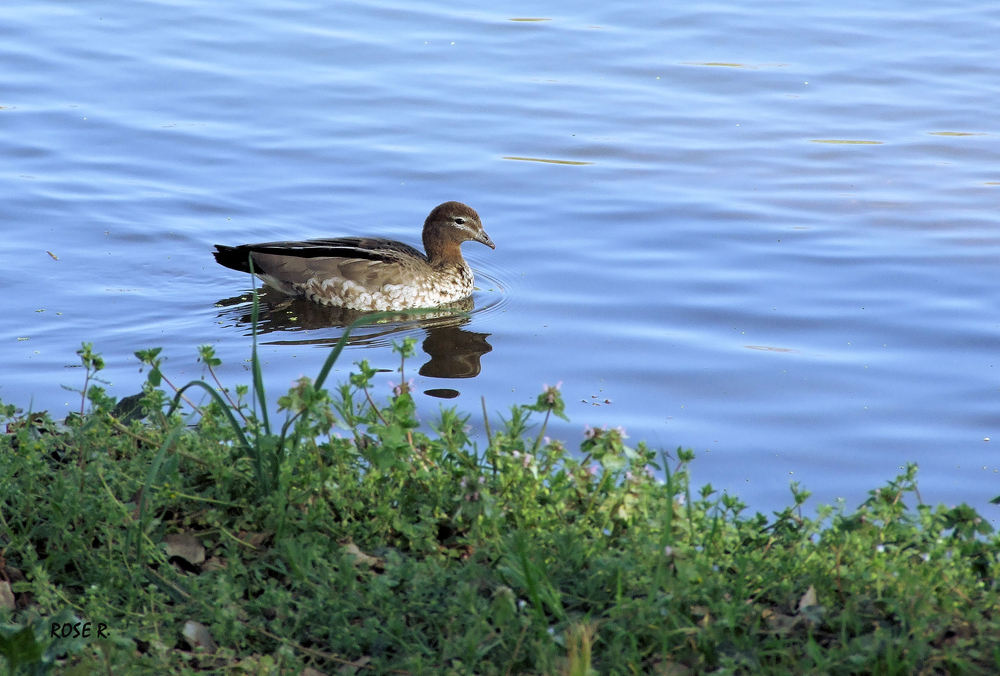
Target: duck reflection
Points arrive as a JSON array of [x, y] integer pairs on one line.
[[453, 351]]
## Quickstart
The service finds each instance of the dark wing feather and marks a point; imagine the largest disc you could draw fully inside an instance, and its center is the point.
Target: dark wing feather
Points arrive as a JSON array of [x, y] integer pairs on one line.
[[356, 248]]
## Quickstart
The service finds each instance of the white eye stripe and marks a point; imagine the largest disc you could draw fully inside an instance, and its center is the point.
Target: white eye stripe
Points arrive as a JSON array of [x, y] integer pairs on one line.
[[461, 225]]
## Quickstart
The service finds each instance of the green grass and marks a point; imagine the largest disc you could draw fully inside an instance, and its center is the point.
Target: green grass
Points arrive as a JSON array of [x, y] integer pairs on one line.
[[351, 539]]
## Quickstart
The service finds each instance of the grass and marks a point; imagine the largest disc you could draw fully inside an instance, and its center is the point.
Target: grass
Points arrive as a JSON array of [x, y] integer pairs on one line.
[[350, 539]]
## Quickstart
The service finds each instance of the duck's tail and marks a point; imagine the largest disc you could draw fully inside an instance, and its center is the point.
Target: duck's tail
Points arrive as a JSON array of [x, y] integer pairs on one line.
[[233, 257]]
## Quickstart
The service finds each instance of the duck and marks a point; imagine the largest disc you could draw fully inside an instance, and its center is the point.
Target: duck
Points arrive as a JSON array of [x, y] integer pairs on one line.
[[370, 274]]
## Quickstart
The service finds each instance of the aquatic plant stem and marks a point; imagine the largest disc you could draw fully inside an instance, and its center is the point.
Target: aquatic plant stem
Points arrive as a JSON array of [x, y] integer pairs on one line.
[[258, 376], [225, 392], [541, 432], [486, 423]]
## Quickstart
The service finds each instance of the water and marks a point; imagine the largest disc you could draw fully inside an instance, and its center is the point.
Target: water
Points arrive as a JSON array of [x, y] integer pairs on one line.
[[765, 232]]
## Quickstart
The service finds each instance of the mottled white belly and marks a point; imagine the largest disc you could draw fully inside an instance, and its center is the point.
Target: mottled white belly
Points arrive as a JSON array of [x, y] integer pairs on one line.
[[444, 286]]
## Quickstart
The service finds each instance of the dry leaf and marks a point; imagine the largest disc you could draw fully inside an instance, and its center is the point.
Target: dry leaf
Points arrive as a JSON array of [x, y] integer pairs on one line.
[[213, 563], [185, 546], [808, 599], [254, 539], [198, 636], [6, 595], [361, 558], [778, 622]]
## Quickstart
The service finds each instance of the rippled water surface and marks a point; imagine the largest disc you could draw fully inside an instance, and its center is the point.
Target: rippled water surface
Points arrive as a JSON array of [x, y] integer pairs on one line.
[[767, 232]]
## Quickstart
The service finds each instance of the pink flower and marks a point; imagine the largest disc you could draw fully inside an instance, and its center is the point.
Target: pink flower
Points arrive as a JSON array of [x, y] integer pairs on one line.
[[401, 388], [551, 392]]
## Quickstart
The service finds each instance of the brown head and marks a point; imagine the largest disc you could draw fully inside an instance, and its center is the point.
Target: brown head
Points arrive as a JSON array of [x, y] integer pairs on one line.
[[447, 226]]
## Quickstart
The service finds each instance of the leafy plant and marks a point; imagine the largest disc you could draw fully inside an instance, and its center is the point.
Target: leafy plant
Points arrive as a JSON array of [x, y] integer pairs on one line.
[[353, 537]]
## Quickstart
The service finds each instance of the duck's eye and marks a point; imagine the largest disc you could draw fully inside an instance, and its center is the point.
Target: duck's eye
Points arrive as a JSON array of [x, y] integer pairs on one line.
[[459, 220]]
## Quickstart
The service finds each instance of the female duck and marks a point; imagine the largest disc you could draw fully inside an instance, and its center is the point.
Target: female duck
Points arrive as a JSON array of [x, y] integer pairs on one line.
[[370, 273]]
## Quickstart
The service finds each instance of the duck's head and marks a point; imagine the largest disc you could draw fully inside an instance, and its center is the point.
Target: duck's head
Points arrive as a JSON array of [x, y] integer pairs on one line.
[[447, 226]]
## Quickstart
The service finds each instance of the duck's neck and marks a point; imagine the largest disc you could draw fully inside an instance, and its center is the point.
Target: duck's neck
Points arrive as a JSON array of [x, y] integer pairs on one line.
[[442, 252]]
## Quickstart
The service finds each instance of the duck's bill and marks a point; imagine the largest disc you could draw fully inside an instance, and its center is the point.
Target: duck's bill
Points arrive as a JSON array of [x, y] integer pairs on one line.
[[485, 239]]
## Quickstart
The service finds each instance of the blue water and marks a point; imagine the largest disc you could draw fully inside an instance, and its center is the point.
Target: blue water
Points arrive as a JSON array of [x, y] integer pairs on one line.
[[767, 232]]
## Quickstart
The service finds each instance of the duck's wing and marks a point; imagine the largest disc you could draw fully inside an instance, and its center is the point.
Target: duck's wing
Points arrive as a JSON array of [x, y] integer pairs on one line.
[[365, 260], [376, 249]]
